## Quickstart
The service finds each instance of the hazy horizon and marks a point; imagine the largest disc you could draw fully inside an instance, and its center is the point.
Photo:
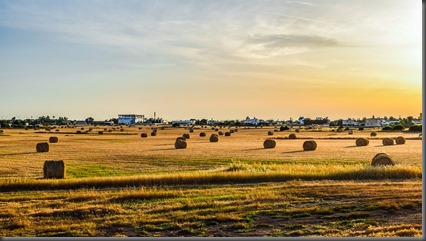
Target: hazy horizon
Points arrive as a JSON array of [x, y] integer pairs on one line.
[[270, 59]]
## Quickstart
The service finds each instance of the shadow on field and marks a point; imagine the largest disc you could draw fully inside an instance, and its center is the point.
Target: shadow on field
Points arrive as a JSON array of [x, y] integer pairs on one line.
[[352, 146], [288, 152], [255, 149], [163, 149], [19, 153]]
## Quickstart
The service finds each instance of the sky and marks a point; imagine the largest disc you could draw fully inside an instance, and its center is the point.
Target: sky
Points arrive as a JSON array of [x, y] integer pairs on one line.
[[222, 59]]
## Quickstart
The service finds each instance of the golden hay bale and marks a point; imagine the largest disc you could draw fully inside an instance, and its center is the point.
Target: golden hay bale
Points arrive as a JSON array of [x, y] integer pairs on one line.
[[362, 142], [270, 133], [387, 141], [339, 129], [350, 132], [109, 130], [231, 131], [400, 140], [154, 133], [78, 132], [100, 132], [216, 129], [121, 130], [181, 138], [236, 130], [382, 159], [82, 128], [180, 143], [140, 128], [191, 130], [202, 134], [269, 143], [144, 135], [373, 134], [227, 133], [53, 139], [310, 145], [186, 136], [214, 138], [42, 147], [292, 136], [220, 133], [297, 130], [1, 131], [54, 169]]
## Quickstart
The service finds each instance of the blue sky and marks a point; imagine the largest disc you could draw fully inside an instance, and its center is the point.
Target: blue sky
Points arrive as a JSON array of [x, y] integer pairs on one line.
[[210, 59]]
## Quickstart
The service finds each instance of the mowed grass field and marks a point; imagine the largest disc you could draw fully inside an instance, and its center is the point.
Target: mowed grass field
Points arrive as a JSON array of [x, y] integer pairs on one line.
[[119, 184]]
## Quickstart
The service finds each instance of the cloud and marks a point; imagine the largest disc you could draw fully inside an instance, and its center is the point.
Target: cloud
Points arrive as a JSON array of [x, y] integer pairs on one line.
[[282, 41]]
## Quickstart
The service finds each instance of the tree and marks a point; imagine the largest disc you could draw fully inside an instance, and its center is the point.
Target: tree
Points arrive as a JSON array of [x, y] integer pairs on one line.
[[89, 120]]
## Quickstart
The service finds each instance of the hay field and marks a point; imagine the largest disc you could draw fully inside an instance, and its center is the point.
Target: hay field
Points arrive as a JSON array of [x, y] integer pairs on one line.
[[126, 153], [119, 184]]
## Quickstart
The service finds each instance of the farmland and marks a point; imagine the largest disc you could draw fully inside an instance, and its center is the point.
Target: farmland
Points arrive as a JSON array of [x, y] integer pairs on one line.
[[119, 184]]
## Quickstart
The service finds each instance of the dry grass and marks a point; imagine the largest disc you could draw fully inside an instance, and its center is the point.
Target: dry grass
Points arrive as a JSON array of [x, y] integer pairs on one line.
[[119, 184]]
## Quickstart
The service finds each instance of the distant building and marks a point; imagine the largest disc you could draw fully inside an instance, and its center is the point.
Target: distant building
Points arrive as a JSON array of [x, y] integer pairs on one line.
[[211, 122], [183, 122], [130, 119], [251, 122], [350, 122], [373, 122]]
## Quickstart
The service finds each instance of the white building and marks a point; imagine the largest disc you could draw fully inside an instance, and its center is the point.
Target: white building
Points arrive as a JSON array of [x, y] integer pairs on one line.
[[211, 122], [251, 122], [184, 122], [350, 122], [130, 119], [373, 122]]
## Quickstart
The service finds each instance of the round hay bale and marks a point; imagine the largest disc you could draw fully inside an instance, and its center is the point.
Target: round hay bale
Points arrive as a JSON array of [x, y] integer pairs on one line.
[[382, 159], [144, 135], [191, 130], [297, 130], [214, 138], [140, 128], [269, 143], [57, 130], [53, 139], [216, 129], [180, 143], [121, 130], [373, 134], [270, 133], [100, 132], [109, 130], [339, 129], [220, 133], [78, 132], [227, 133], [310, 145], [387, 141], [154, 133], [236, 130], [292, 136], [1, 131], [231, 131], [400, 140], [82, 128], [186, 136], [350, 132], [54, 169], [181, 138], [42, 147], [362, 142], [202, 134]]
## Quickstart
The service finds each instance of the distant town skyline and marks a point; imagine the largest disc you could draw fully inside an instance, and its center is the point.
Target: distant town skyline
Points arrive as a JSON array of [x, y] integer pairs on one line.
[[222, 59]]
